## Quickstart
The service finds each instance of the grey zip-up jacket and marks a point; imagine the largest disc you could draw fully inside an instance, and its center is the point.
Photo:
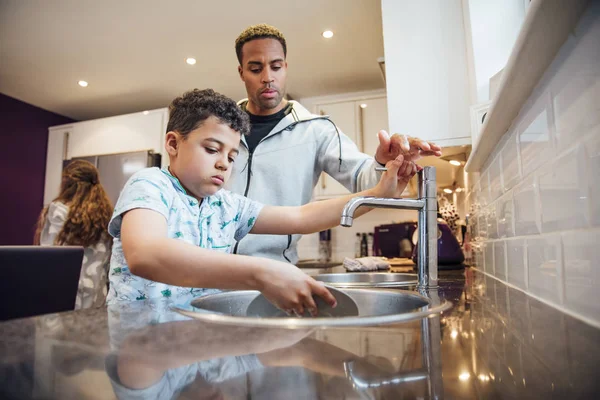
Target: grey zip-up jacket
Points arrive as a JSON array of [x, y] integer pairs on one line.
[[285, 167]]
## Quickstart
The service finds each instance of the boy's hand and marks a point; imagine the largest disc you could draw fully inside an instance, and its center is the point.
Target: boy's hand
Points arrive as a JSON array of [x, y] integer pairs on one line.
[[394, 180], [290, 289]]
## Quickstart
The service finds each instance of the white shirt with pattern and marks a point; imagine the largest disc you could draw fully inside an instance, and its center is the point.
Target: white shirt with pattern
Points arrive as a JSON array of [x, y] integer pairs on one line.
[[216, 223]]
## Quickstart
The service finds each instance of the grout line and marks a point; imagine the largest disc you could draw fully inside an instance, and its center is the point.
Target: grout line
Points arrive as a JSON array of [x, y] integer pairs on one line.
[[595, 324]]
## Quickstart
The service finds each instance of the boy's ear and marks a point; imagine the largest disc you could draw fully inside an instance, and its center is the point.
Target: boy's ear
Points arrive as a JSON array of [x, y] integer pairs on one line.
[[172, 142]]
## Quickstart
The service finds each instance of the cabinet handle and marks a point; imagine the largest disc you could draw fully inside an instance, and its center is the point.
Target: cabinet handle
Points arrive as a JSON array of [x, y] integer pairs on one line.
[[66, 146], [361, 128]]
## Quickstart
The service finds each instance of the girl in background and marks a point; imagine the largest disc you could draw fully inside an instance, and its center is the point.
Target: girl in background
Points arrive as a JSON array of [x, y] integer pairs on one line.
[[79, 216]]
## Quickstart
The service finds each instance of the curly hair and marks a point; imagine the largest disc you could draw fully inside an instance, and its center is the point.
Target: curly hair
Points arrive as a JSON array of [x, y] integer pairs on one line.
[[189, 111], [260, 31], [90, 209]]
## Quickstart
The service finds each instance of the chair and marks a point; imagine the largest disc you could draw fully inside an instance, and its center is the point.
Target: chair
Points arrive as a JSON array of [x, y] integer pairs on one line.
[[38, 280]]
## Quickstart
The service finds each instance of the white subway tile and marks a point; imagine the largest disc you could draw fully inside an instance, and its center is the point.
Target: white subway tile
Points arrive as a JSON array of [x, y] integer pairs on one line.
[[581, 251], [511, 170], [516, 263], [500, 260], [504, 213], [484, 187], [543, 266], [495, 176], [535, 136], [482, 225], [488, 257], [592, 147], [577, 106], [492, 221], [563, 196], [526, 207]]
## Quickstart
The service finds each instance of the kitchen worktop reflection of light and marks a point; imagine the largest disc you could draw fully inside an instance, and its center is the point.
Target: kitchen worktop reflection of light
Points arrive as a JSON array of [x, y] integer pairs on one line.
[[496, 342]]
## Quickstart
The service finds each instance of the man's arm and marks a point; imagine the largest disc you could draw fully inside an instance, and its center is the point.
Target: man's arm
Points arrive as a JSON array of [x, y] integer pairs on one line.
[[357, 170], [321, 215]]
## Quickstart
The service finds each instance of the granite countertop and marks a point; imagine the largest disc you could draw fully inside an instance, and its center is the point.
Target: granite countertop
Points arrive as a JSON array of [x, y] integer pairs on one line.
[[495, 342]]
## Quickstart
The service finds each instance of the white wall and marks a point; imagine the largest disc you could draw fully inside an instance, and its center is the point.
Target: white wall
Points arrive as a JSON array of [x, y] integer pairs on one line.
[[495, 25], [426, 69], [536, 203]]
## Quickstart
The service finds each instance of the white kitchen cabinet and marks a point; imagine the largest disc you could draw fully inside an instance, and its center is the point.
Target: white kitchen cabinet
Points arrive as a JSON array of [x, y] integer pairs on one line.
[[120, 134], [426, 70], [360, 120], [55, 154], [113, 135]]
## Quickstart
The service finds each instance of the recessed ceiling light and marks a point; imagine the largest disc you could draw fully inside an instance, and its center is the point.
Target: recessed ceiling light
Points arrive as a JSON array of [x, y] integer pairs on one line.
[[447, 190], [190, 60], [82, 83], [363, 105], [327, 34], [454, 162], [146, 112]]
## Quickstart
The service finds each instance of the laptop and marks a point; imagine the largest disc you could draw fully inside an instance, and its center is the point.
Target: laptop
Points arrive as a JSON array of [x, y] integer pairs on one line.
[[38, 280]]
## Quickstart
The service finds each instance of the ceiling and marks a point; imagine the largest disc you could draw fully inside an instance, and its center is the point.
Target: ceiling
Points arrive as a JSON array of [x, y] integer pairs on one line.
[[133, 52]]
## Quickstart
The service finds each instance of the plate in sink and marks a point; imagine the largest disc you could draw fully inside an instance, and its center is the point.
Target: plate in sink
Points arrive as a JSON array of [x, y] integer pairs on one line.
[[346, 307]]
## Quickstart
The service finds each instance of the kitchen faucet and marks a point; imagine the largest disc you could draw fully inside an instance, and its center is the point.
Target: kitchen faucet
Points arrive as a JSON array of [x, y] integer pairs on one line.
[[426, 204]]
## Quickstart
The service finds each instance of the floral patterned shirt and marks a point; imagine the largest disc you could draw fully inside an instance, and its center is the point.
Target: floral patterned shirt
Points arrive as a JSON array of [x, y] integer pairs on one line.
[[215, 223]]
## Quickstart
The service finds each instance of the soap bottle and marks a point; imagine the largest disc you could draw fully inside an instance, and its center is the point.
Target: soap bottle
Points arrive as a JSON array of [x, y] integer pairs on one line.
[[370, 244], [357, 244], [364, 246]]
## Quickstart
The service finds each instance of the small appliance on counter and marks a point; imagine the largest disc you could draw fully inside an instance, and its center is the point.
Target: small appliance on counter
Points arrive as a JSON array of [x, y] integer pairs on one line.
[[394, 240]]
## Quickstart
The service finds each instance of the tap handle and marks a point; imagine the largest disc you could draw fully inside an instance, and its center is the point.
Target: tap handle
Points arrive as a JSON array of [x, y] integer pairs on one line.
[[427, 183]]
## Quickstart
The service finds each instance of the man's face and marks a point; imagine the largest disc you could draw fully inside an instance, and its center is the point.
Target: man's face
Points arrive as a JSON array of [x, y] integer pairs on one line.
[[203, 160], [264, 71]]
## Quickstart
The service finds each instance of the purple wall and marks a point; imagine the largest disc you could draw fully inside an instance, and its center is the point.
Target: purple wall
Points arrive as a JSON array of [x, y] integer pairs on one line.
[[22, 167]]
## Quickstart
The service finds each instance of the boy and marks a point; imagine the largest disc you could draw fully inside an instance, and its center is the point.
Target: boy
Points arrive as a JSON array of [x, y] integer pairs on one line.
[[174, 228]]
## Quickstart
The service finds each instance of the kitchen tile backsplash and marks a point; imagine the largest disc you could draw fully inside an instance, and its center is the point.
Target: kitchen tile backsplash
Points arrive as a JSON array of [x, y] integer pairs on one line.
[[535, 208]]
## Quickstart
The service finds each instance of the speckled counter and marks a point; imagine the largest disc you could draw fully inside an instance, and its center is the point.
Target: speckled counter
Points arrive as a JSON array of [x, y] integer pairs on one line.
[[495, 342]]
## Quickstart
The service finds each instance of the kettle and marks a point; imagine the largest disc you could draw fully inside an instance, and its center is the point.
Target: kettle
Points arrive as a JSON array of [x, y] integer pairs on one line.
[[450, 254]]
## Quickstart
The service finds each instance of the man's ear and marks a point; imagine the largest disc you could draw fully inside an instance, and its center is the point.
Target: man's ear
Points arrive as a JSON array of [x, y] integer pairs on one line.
[[172, 142], [241, 72]]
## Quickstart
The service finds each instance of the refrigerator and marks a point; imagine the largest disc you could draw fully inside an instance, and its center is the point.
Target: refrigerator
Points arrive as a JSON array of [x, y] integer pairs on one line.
[[116, 169]]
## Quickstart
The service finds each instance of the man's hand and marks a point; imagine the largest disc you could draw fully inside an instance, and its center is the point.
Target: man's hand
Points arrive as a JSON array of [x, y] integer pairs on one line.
[[412, 149]]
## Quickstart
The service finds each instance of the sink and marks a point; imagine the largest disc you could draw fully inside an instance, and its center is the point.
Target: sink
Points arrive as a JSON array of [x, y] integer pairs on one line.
[[368, 279], [375, 307]]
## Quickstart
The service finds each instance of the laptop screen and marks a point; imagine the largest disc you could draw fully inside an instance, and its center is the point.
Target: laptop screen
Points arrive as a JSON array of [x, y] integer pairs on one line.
[[38, 280]]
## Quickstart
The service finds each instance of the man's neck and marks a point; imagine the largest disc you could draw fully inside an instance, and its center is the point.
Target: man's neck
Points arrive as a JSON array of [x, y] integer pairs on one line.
[[255, 110]]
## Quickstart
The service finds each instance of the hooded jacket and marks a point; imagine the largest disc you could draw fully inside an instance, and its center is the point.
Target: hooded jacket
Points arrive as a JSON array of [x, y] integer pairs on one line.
[[286, 165]]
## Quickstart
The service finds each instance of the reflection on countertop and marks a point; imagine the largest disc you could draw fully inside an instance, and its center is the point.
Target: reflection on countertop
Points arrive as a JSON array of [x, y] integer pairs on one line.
[[494, 343]]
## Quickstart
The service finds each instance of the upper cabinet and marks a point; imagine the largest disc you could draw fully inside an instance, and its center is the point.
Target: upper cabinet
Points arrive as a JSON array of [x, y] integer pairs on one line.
[[113, 135], [359, 118], [426, 70]]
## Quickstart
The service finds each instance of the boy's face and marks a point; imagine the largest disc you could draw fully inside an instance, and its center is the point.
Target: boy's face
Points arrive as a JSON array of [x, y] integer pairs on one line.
[[203, 161], [264, 71]]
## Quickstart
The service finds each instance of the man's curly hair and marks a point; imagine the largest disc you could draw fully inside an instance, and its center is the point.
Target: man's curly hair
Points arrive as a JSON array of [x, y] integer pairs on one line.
[[260, 31], [189, 111]]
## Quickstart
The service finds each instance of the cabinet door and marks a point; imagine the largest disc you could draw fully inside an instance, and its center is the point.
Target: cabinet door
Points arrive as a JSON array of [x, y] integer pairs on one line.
[[55, 153], [343, 114], [373, 117]]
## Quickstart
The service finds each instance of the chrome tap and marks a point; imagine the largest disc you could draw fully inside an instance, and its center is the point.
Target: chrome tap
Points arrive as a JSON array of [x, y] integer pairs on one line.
[[426, 204]]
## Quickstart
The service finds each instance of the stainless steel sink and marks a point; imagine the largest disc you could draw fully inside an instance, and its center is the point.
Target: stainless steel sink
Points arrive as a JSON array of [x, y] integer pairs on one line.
[[368, 279], [375, 307]]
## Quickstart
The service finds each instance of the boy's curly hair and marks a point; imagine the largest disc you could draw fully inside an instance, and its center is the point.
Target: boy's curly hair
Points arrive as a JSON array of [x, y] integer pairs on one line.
[[260, 31], [189, 111]]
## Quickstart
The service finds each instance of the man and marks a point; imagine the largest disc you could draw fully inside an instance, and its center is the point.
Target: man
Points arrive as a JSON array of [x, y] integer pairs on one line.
[[288, 148]]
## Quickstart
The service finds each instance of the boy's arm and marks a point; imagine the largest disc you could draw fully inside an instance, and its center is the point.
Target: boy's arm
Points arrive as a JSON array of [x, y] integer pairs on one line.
[[152, 255], [321, 215]]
